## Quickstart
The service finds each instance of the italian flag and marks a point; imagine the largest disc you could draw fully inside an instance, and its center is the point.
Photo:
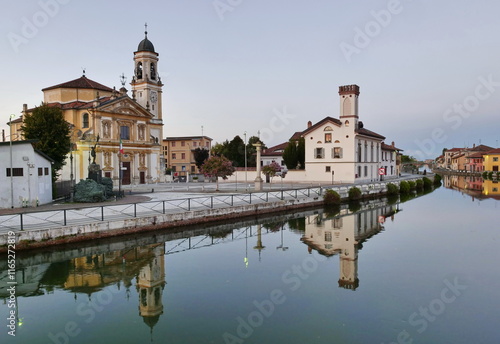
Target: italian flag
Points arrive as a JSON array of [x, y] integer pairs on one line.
[[121, 146]]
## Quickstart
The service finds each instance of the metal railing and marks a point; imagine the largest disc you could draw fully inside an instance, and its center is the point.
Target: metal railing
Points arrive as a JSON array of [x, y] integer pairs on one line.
[[109, 212]]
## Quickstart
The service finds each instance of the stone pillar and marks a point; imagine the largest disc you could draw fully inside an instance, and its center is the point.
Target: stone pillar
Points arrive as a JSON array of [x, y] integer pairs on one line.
[[258, 179]]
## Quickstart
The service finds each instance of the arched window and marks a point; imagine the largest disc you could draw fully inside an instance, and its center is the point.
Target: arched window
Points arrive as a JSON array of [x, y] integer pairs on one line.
[[138, 71], [328, 128], [346, 123], [153, 71], [85, 120]]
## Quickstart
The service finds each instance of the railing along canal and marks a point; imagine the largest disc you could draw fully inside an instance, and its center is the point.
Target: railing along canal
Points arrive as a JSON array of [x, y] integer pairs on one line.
[[109, 212]]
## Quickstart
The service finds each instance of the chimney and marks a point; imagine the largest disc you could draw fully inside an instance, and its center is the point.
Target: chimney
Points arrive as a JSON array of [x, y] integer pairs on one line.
[[473, 145], [392, 143], [309, 124], [25, 108]]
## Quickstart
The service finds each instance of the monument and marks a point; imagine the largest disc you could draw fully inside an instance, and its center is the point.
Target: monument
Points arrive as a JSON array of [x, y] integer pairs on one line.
[[258, 179], [95, 172]]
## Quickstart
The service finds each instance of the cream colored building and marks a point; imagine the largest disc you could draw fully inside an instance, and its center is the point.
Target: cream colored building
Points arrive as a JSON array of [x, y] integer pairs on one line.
[[95, 110], [179, 153]]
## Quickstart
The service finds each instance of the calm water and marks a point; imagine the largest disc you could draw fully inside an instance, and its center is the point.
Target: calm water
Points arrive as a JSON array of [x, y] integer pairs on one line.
[[424, 271]]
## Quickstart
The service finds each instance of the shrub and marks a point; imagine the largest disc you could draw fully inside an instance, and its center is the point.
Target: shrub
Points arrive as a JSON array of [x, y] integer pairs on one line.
[[412, 184], [354, 194], [490, 175], [427, 183], [404, 187], [392, 189], [354, 206], [498, 175], [437, 179], [419, 184], [331, 197], [485, 175]]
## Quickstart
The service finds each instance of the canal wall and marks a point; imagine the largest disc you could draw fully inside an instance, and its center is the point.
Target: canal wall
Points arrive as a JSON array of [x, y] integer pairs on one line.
[[34, 238]]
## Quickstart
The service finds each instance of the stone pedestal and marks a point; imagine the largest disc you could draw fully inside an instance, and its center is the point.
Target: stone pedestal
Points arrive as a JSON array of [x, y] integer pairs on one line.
[[95, 173]]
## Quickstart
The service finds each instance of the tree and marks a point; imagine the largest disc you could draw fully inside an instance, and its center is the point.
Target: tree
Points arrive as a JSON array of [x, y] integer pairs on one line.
[[236, 151], [271, 170], [290, 156], [218, 166], [47, 125], [200, 155], [252, 151], [294, 154]]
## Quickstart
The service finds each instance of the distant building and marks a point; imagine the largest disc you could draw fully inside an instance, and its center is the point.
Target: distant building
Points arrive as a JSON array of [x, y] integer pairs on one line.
[[179, 156], [390, 160], [273, 154], [491, 160], [31, 176]]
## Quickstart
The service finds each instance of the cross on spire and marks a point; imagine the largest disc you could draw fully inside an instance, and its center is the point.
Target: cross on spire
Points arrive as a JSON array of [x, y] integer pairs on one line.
[[146, 29]]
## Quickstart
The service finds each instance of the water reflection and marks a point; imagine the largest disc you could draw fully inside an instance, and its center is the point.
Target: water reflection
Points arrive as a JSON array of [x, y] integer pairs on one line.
[[343, 234], [475, 187]]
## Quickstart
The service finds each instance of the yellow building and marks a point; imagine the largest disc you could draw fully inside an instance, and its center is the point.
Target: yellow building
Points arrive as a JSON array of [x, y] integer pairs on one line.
[[178, 153], [491, 160], [95, 110]]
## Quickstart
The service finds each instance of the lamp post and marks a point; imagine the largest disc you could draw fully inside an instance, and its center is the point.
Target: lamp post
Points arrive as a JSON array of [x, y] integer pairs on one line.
[[71, 176], [245, 134], [11, 169]]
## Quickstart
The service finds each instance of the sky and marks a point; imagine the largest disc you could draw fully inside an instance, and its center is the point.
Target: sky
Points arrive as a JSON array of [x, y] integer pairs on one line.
[[428, 71]]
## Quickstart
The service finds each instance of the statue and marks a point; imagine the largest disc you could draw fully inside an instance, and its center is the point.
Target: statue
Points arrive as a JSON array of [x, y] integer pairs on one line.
[[92, 152]]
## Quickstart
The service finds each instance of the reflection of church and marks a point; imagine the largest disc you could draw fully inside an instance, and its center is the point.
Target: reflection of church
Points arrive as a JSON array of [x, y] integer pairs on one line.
[[150, 284], [343, 235]]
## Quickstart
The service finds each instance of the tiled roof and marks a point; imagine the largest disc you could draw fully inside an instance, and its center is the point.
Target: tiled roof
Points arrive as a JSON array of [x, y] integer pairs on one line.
[[390, 147], [82, 82], [476, 155], [493, 151], [320, 123], [480, 148], [297, 135], [275, 150], [366, 132]]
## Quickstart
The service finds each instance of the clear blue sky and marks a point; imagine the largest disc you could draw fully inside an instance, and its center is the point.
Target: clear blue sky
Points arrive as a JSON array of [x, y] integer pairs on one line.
[[232, 65]]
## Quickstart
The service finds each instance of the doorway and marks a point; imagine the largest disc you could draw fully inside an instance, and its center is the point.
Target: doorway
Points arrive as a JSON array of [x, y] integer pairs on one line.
[[126, 173]]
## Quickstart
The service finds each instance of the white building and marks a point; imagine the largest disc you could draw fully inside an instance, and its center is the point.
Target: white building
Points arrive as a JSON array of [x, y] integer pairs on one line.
[[273, 154], [390, 161], [30, 179], [342, 149]]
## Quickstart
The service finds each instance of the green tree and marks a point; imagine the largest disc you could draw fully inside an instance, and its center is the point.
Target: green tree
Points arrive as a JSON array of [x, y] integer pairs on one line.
[[218, 166], [47, 125], [252, 151], [301, 153], [200, 155], [236, 151], [290, 156]]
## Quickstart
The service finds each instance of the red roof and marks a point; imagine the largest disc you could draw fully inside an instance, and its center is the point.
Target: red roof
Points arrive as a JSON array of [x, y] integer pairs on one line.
[[493, 151], [390, 147], [476, 155], [481, 148], [82, 82], [366, 132], [323, 121], [275, 150]]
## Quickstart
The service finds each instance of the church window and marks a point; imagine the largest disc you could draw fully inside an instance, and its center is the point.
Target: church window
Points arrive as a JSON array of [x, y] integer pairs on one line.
[[138, 71], [85, 120], [124, 132], [153, 71]]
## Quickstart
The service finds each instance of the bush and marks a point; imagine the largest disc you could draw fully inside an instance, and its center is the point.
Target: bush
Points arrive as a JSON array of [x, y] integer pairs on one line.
[[419, 184], [485, 175], [392, 189], [108, 186], [490, 175], [331, 197], [354, 194], [354, 206], [412, 184], [498, 175], [404, 187], [437, 179], [427, 183]]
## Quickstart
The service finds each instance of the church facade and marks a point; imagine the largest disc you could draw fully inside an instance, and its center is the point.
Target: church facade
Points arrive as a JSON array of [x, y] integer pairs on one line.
[[125, 130]]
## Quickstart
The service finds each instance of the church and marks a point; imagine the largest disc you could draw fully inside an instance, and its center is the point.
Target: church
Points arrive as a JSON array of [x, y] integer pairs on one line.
[[125, 129]]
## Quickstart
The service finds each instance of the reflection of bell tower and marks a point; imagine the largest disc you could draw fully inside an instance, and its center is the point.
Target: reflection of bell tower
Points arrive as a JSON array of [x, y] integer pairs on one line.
[[150, 284], [348, 258], [146, 83]]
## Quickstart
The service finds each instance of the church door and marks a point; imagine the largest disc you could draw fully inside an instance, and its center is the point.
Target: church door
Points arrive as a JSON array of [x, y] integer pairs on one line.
[[142, 176], [126, 173]]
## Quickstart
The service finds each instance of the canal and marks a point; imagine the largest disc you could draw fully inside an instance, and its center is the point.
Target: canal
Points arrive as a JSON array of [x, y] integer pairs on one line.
[[422, 271]]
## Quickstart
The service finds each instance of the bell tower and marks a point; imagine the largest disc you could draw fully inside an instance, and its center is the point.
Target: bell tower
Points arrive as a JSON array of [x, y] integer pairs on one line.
[[146, 83], [349, 104]]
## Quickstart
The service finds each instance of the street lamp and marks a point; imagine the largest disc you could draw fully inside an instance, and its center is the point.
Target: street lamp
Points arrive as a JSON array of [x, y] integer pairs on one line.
[[11, 169], [245, 157]]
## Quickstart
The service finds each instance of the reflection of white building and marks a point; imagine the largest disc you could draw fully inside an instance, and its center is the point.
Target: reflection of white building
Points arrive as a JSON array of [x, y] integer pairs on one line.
[[31, 175], [342, 235]]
